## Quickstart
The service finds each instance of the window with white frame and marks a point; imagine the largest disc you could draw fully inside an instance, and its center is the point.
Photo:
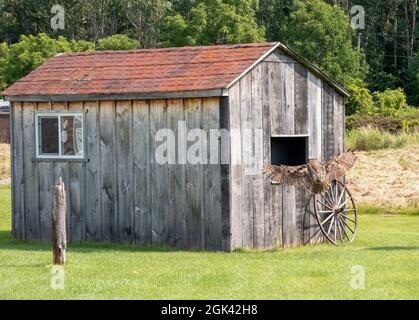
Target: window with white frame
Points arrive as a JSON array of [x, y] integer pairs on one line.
[[59, 135]]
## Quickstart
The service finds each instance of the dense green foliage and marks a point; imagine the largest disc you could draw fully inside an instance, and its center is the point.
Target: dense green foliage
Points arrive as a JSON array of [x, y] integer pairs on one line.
[[318, 29], [390, 102], [360, 101], [117, 42], [213, 22], [22, 57]]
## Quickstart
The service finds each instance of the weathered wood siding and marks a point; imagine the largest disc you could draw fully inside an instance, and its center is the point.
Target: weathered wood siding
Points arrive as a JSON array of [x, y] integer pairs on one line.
[[278, 97], [120, 192]]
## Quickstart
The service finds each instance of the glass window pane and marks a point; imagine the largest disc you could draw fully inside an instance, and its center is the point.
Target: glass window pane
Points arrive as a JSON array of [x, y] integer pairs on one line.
[[71, 135], [48, 135]]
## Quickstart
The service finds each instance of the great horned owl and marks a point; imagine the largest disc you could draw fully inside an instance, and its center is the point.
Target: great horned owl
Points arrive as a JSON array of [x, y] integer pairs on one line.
[[315, 176]]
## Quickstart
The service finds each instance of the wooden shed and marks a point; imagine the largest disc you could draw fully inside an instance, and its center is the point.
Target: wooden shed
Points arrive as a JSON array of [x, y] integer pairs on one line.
[[93, 117]]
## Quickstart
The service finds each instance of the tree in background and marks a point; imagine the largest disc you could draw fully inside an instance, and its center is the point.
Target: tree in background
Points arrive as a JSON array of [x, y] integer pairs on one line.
[[390, 44], [145, 17], [321, 33], [117, 42], [24, 18], [318, 29], [4, 58], [22, 57], [213, 22]]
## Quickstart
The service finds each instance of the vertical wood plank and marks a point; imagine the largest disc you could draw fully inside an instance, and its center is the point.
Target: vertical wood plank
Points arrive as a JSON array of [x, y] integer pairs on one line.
[[108, 171], [176, 175], [328, 134], [18, 171], [212, 175], [258, 154], [77, 190], [12, 168], [273, 194], [236, 168], [314, 92], [267, 79], [32, 217], [124, 169], [141, 159], [194, 237], [289, 219], [339, 124], [92, 172], [301, 125], [46, 181], [158, 173], [276, 96], [225, 175], [287, 106], [247, 142]]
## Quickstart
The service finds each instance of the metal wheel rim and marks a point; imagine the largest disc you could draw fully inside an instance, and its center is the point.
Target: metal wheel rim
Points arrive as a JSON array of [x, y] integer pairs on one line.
[[345, 224]]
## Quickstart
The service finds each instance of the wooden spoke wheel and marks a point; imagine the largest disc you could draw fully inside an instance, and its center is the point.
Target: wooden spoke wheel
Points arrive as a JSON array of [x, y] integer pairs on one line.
[[336, 213]]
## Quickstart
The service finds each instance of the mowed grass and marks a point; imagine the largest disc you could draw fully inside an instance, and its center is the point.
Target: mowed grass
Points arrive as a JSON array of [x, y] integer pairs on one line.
[[387, 248]]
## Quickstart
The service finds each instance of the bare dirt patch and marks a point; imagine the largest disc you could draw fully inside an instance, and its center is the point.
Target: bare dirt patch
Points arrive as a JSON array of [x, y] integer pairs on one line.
[[386, 177]]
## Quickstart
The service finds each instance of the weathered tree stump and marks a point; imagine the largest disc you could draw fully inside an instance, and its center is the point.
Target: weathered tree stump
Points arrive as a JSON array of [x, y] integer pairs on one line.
[[59, 210]]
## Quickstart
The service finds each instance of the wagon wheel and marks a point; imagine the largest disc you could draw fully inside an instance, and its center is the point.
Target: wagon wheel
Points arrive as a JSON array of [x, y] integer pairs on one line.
[[336, 213]]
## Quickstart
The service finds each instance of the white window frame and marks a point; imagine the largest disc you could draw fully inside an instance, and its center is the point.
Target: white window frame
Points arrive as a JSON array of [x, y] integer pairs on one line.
[[57, 114]]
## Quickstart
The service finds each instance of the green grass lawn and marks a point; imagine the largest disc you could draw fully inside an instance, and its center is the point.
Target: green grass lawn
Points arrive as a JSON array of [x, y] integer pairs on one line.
[[387, 247]]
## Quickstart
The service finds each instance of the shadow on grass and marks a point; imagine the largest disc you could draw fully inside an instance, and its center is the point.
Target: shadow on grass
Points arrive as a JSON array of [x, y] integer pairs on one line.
[[8, 242], [393, 248]]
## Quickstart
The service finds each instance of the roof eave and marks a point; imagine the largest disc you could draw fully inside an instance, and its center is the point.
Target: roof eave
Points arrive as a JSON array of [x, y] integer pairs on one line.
[[123, 96]]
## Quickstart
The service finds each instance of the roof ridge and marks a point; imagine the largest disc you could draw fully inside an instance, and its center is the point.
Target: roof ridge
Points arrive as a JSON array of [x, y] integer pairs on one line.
[[184, 48]]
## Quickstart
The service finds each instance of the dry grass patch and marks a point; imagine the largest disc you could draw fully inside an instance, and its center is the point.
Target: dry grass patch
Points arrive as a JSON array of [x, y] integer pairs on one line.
[[4, 162], [387, 178]]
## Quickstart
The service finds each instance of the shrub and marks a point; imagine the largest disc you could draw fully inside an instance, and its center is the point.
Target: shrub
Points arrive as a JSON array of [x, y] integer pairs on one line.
[[406, 121], [360, 101], [390, 102]]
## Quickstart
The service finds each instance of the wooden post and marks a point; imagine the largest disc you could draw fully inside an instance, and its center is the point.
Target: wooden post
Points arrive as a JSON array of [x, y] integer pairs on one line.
[[59, 210]]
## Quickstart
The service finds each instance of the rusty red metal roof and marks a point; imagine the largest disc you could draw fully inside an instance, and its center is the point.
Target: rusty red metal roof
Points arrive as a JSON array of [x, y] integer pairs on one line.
[[140, 71]]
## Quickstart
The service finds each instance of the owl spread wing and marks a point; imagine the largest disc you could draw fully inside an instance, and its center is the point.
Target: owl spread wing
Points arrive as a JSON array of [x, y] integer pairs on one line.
[[292, 175], [338, 166]]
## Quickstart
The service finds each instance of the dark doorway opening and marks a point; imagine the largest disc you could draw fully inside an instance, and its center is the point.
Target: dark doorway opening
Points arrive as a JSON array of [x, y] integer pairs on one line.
[[290, 151]]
